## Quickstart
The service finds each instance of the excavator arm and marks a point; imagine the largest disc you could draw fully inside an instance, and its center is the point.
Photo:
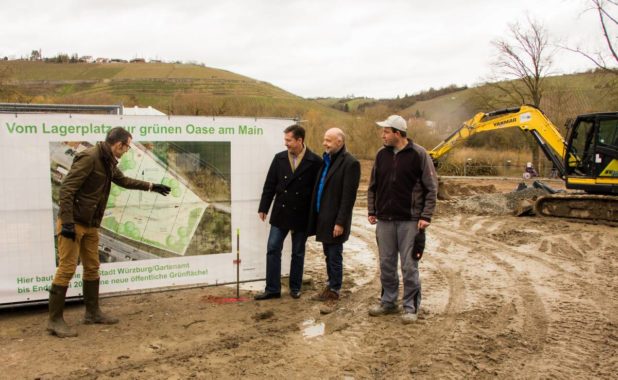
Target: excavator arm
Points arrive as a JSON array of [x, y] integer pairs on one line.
[[527, 118]]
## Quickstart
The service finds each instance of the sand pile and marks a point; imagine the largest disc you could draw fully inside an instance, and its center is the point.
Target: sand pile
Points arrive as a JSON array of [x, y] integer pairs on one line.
[[491, 204]]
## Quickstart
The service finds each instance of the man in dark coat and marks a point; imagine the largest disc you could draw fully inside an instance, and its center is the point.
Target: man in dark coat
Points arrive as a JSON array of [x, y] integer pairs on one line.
[[331, 207], [83, 199], [289, 181]]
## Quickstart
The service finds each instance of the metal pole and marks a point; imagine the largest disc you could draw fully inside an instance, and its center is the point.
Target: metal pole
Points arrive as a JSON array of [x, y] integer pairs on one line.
[[238, 263]]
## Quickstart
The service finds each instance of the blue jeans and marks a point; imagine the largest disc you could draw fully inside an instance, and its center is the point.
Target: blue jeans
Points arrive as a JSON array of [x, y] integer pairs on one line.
[[273, 259], [334, 265]]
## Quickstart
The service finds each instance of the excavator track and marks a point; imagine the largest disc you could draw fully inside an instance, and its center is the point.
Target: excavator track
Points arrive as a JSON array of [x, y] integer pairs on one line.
[[600, 209]]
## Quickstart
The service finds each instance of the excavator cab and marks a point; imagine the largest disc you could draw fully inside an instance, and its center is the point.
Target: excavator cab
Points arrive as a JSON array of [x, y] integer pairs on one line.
[[591, 156]]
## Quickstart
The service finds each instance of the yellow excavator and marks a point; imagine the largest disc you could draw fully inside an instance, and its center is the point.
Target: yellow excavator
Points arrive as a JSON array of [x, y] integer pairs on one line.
[[587, 160]]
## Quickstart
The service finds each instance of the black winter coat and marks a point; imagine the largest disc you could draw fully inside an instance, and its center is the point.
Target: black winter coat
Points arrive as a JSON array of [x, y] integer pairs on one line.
[[337, 201], [291, 190]]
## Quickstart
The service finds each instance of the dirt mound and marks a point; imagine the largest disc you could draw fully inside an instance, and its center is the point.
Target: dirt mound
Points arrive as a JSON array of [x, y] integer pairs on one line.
[[492, 204], [449, 189]]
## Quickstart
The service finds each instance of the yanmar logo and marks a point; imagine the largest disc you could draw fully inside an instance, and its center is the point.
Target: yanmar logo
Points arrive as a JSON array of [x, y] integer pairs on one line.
[[507, 121]]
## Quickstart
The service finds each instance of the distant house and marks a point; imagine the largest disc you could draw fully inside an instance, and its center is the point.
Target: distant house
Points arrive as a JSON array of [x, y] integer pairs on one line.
[[86, 59], [102, 60], [138, 60], [118, 60]]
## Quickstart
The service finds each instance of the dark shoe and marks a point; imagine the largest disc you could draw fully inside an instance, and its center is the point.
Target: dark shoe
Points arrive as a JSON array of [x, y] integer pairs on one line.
[[91, 300], [295, 294], [56, 324], [266, 296]]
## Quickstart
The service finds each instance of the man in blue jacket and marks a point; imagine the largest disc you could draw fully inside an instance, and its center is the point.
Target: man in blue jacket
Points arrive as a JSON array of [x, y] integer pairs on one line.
[[401, 198], [289, 181], [331, 208]]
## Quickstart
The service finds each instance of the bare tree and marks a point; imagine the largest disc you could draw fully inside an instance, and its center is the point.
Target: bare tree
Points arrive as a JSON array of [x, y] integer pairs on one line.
[[526, 59], [523, 62], [35, 55], [607, 59]]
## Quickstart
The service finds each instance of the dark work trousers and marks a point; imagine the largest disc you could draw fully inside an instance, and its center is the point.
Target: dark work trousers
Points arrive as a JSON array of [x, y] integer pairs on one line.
[[333, 253], [276, 237]]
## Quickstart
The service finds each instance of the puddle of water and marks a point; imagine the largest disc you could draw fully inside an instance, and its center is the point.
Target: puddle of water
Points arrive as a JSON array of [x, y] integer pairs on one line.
[[311, 329]]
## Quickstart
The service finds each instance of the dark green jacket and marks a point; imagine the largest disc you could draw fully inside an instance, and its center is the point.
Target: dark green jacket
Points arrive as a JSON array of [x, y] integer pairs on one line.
[[85, 189]]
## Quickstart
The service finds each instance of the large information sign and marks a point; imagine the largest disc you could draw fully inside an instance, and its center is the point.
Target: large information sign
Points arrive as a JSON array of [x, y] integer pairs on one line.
[[215, 167]]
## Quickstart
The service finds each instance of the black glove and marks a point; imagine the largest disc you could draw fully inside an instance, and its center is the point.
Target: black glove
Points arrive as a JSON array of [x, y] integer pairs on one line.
[[68, 231], [161, 189], [419, 245]]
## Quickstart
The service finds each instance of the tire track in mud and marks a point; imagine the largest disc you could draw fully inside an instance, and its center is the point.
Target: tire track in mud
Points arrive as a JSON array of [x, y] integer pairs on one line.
[[497, 226], [580, 315], [192, 359], [570, 251], [485, 312], [379, 346], [517, 328]]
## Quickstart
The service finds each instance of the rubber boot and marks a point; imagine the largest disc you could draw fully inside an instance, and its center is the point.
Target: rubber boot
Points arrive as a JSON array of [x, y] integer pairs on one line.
[[91, 300], [56, 324]]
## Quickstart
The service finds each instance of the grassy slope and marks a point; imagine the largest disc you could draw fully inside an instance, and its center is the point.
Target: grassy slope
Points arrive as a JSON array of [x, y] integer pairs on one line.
[[176, 89], [566, 96], [53, 80]]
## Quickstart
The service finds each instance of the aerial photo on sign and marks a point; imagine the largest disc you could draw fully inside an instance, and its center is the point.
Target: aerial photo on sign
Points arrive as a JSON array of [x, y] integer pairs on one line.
[[194, 220]]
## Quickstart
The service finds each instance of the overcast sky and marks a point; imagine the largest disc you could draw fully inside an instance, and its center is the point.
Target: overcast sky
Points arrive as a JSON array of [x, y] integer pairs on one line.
[[308, 47]]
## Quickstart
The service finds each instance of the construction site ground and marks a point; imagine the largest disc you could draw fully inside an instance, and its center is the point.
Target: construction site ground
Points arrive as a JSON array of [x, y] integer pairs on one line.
[[503, 296]]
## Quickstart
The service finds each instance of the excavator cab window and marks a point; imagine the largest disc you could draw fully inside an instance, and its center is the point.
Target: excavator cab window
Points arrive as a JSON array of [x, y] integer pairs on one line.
[[606, 153], [608, 133], [580, 160]]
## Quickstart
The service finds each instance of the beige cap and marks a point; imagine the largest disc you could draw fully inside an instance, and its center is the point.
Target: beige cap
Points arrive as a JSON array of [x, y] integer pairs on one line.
[[394, 121]]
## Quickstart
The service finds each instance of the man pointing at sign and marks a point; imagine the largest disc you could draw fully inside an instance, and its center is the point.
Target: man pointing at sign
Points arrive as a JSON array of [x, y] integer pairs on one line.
[[83, 199]]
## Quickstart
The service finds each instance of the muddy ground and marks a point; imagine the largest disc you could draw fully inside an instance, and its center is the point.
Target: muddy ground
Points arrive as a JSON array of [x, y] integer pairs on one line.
[[503, 297]]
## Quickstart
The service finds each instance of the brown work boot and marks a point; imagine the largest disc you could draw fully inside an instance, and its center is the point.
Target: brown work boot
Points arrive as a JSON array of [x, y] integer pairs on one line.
[[319, 296], [326, 295], [91, 300], [56, 324]]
